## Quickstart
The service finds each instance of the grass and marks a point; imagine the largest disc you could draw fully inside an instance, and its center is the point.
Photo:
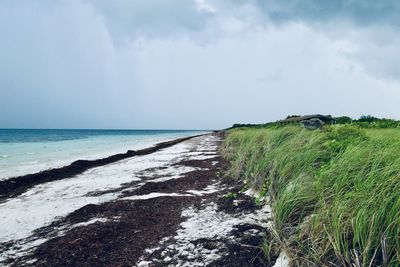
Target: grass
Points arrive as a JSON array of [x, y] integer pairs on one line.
[[388, 134], [335, 192]]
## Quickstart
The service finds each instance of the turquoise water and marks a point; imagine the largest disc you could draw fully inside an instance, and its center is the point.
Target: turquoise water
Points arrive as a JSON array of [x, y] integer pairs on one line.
[[25, 151]]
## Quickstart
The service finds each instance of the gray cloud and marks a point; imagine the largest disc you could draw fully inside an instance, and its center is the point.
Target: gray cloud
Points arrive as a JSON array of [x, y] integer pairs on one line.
[[372, 26], [361, 12], [192, 64], [151, 18]]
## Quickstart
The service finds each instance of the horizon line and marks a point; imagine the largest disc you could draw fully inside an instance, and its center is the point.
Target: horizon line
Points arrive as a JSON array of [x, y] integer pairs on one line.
[[108, 129]]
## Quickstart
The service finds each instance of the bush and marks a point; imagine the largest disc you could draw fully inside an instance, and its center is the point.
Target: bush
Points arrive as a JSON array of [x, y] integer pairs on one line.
[[376, 123], [367, 118], [343, 120]]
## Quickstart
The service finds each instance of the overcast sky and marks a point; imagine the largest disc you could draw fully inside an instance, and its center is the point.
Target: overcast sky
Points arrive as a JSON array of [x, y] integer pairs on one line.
[[200, 64]]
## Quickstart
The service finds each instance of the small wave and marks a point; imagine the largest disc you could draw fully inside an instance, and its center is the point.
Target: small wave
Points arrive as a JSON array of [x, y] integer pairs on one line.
[[30, 153], [4, 156], [29, 162]]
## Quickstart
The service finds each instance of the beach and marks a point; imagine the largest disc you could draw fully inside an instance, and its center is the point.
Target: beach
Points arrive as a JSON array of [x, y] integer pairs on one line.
[[165, 205], [28, 151]]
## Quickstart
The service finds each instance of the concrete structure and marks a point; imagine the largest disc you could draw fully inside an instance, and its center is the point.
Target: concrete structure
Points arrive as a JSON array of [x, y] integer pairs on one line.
[[310, 121]]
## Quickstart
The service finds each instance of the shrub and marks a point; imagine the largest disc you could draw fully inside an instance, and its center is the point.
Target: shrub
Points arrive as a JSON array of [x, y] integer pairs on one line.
[[343, 120]]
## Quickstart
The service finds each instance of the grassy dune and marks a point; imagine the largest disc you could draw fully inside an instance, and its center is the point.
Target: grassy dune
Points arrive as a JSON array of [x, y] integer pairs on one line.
[[335, 192]]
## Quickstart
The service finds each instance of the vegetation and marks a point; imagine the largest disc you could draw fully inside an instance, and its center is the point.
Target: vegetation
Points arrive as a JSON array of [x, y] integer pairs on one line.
[[335, 192], [369, 121], [343, 120], [365, 121]]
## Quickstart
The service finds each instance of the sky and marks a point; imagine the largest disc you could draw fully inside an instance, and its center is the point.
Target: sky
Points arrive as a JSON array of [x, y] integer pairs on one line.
[[195, 64]]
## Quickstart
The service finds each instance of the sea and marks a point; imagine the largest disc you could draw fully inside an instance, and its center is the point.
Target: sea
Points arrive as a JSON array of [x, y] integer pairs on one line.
[[25, 151]]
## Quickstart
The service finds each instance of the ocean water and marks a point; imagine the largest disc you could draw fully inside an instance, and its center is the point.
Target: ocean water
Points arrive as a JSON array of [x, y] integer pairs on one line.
[[24, 151]]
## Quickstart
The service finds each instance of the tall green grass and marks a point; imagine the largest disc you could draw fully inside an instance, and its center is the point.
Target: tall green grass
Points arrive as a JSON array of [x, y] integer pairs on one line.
[[335, 192]]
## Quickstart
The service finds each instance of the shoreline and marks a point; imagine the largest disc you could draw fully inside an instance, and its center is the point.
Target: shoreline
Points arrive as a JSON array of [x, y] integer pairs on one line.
[[15, 186], [25, 152], [177, 211]]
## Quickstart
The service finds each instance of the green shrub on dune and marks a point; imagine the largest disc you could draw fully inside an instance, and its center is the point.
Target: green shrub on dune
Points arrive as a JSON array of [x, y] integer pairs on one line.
[[335, 192]]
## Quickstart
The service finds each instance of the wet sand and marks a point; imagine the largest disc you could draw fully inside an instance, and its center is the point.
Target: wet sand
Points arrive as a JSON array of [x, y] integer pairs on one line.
[[166, 208]]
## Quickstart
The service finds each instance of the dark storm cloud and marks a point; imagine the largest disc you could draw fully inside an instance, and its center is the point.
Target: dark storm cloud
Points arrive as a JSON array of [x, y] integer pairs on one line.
[[361, 12]]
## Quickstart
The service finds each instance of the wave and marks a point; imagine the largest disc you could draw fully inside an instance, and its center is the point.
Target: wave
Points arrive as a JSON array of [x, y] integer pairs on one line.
[[29, 162]]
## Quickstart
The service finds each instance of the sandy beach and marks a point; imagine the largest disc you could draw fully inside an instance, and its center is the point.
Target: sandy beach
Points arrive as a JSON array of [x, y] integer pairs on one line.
[[163, 206]]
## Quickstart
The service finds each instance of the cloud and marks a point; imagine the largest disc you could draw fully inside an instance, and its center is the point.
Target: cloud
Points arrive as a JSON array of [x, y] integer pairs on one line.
[[371, 26], [190, 64], [56, 59], [204, 6], [361, 12], [151, 18], [231, 79]]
